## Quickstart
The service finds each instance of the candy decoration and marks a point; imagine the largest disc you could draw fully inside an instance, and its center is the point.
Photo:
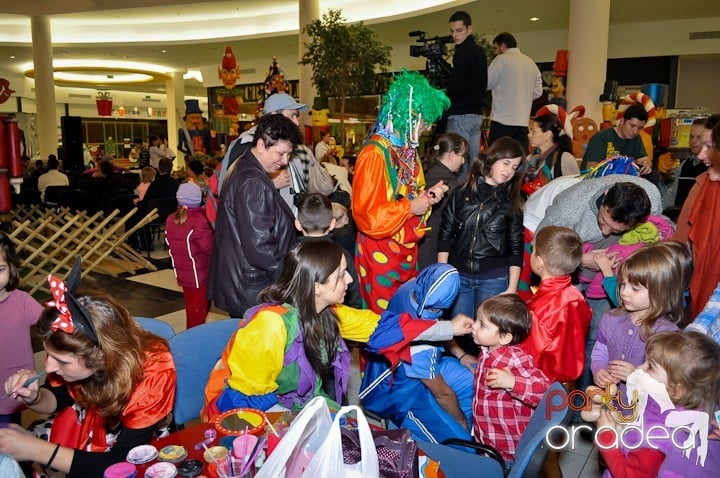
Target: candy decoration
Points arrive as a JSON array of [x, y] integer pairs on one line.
[[564, 117]]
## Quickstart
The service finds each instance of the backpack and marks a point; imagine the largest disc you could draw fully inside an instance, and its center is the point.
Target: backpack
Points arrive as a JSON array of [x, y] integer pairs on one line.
[[320, 180]]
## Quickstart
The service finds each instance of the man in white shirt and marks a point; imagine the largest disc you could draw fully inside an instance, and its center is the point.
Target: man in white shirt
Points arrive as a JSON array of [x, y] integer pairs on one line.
[[322, 148], [156, 152], [514, 80], [53, 177]]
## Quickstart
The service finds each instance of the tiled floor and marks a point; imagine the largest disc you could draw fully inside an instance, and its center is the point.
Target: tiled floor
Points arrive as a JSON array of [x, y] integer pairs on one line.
[[157, 295]]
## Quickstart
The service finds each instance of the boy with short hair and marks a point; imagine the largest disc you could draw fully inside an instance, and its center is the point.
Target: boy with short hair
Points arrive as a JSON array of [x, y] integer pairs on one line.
[[508, 385], [561, 315], [316, 222]]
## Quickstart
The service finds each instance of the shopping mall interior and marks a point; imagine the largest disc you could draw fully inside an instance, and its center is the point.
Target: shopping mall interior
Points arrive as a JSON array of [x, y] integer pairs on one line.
[[175, 48]]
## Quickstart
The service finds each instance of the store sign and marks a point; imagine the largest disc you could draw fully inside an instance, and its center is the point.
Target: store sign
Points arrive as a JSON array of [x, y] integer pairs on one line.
[[255, 92]]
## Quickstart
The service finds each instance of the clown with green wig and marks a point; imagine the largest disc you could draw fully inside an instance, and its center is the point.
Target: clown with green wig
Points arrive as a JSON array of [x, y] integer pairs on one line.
[[389, 202]]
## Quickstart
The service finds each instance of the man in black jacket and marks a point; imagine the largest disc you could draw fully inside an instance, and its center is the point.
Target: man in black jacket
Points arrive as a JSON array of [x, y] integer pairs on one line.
[[255, 227], [467, 84]]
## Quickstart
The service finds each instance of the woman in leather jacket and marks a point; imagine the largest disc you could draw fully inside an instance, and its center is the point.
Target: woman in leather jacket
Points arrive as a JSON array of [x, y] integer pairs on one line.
[[481, 228]]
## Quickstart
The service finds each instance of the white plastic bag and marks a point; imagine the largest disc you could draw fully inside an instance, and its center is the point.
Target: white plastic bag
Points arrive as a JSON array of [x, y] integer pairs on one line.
[[328, 461], [301, 442]]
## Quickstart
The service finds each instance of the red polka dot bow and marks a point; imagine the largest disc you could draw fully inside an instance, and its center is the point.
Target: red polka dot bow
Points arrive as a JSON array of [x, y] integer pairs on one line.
[[64, 320]]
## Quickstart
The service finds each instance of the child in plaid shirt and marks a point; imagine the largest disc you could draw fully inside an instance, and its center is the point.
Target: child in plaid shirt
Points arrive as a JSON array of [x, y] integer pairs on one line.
[[508, 386]]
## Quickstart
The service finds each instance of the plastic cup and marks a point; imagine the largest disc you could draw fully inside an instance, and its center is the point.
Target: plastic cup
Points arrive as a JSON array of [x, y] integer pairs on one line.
[[243, 446], [232, 466]]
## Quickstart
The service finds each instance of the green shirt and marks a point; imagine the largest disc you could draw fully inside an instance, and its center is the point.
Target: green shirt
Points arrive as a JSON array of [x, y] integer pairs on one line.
[[606, 144]]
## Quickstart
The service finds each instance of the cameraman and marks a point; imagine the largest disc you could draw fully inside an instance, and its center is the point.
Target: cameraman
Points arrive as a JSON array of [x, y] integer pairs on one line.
[[467, 84]]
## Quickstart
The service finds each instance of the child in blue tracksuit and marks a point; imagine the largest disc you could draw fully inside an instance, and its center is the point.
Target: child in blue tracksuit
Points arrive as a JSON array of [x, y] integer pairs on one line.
[[431, 395]]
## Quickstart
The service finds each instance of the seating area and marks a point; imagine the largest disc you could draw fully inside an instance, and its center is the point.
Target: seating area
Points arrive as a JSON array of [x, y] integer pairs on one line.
[[156, 303]]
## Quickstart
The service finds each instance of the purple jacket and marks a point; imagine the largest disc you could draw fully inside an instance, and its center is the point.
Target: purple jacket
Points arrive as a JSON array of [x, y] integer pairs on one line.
[[190, 247], [619, 339]]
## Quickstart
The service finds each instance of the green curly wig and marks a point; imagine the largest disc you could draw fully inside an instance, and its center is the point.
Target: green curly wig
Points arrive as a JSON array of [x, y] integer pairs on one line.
[[428, 101]]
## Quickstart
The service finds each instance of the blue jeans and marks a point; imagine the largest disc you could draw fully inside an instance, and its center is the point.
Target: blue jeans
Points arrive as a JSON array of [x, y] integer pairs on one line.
[[470, 128], [474, 291]]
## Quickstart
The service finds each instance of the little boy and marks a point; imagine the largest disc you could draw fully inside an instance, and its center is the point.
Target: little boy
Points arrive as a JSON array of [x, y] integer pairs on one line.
[[561, 315], [316, 222], [508, 386]]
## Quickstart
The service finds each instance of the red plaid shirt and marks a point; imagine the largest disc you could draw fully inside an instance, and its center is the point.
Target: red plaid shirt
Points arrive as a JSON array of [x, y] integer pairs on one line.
[[501, 416]]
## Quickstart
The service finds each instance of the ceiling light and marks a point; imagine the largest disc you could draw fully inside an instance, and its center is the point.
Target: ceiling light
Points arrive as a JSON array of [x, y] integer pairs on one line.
[[106, 65], [12, 57], [163, 51], [534, 19], [100, 77], [100, 71]]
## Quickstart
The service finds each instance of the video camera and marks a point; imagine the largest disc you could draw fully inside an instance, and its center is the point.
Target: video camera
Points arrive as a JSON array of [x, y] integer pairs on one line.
[[432, 48]]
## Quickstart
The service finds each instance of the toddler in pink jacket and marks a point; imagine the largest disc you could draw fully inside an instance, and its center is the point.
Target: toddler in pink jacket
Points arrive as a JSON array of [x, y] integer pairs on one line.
[[190, 239]]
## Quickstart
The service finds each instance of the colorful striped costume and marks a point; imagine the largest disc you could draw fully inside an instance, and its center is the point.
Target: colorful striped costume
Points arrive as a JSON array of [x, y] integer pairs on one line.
[[388, 232]]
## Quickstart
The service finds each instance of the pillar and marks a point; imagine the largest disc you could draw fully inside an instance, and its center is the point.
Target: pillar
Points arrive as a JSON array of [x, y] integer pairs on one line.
[[175, 92], [309, 11], [587, 59], [47, 121]]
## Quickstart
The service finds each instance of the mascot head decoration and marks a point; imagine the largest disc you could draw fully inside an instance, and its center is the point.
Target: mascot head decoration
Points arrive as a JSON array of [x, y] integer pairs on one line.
[[274, 83], [193, 115], [229, 72], [410, 105]]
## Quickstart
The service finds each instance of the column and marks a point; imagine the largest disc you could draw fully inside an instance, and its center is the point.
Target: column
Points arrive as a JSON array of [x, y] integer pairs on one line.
[[309, 11], [175, 91], [47, 121], [587, 58]]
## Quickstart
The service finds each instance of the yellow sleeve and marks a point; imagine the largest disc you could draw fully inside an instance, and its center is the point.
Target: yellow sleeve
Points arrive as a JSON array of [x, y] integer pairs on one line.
[[257, 356], [356, 324]]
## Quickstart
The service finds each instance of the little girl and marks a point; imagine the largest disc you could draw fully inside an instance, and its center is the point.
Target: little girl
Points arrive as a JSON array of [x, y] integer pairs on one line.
[[18, 311], [651, 301], [147, 175], [678, 388], [442, 163], [481, 231], [190, 240]]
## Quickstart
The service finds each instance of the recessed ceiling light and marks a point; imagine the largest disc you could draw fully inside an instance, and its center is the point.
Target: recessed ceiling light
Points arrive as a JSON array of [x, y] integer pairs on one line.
[[12, 57], [534, 19], [163, 51]]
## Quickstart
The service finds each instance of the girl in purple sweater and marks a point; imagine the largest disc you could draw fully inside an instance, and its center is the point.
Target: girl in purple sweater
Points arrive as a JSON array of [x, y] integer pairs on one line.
[[190, 240], [651, 300], [18, 311]]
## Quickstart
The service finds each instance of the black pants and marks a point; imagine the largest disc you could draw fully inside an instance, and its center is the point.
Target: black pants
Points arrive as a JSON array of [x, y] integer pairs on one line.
[[518, 133]]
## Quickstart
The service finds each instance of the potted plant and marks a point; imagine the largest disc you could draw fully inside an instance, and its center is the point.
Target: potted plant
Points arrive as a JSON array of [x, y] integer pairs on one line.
[[104, 103], [345, 59]]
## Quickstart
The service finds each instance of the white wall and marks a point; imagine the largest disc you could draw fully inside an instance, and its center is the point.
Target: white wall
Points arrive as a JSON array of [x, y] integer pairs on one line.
[[698, 82]]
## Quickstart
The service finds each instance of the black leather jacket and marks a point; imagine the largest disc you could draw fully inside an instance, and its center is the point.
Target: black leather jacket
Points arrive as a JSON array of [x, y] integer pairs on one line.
[[253, 232], [480, 230]]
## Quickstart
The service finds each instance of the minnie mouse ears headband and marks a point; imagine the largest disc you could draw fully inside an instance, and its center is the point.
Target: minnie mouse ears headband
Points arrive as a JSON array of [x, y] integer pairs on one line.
[[71, 314]]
